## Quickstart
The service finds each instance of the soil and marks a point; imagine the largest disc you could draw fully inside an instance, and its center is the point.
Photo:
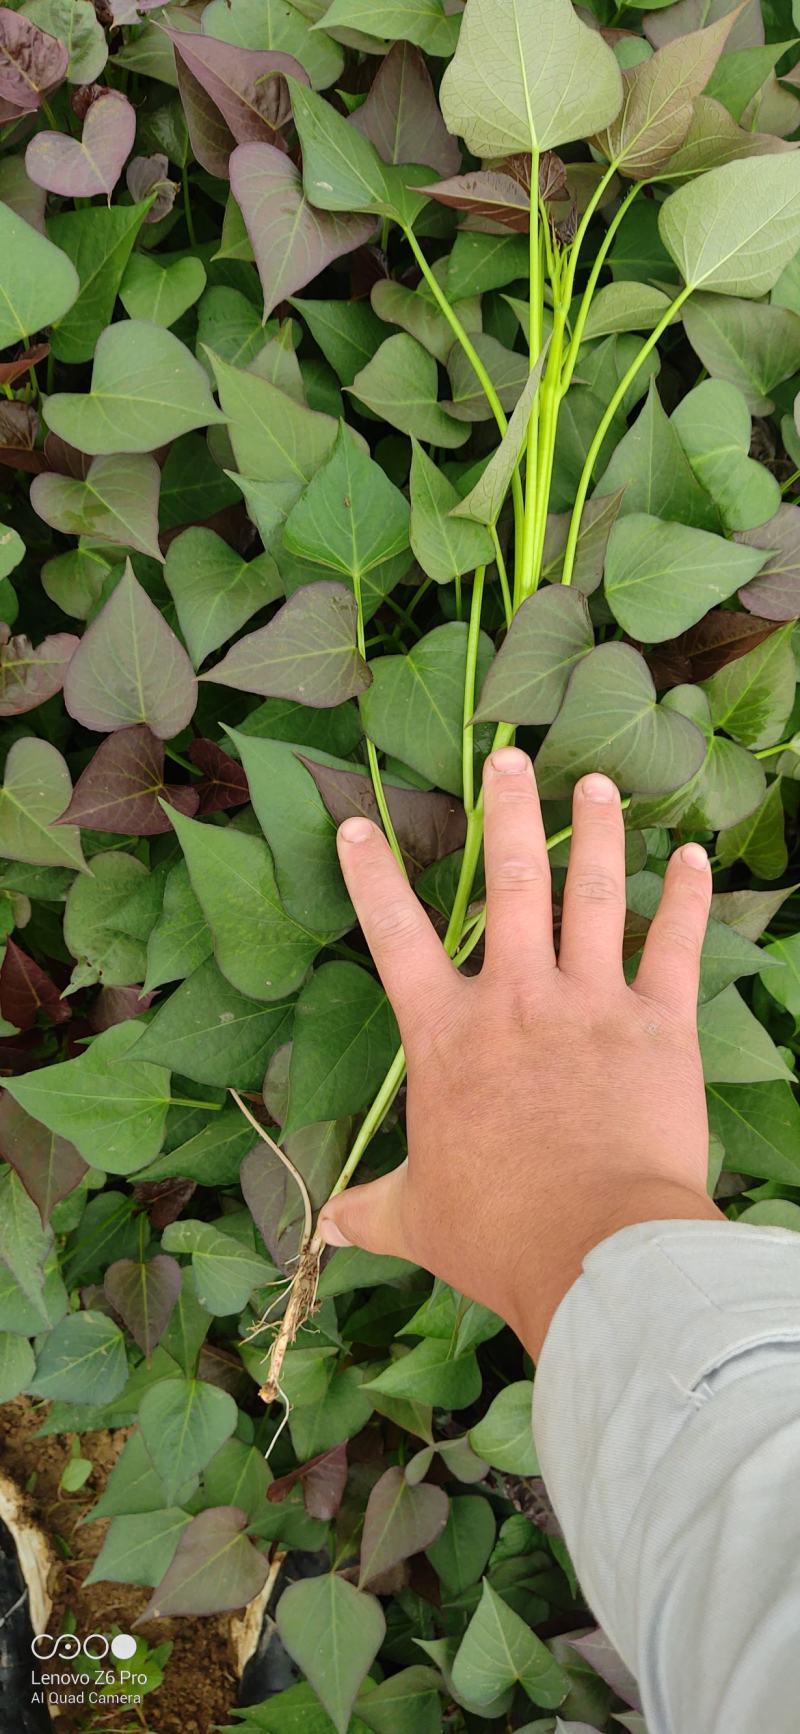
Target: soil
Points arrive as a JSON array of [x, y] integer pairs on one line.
[[200, 1679]]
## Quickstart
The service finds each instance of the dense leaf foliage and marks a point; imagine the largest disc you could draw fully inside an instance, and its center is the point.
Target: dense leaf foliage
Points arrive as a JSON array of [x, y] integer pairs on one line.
[[381, 378]]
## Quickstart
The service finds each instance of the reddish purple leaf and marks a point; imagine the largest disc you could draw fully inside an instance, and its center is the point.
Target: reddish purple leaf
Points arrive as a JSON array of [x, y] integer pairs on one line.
[[144, 1294], [211, 139], [115, 1005], [26, 990], [401, 116], [323, 1480], [31, 63], [214, 1568], [428, 824], [79, 169], [19, 425], [247, 86], [12, 370], [715, 641], [485, 194], [164, 1200], [30, 675], [122, 787], [775, 592], [224, 782], [292, 242], [400, 1520], [64, 459], [49, 1167], [146, 175]]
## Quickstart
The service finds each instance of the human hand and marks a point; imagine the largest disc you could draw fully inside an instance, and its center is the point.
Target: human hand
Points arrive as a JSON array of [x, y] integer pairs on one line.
[[549, 1104]]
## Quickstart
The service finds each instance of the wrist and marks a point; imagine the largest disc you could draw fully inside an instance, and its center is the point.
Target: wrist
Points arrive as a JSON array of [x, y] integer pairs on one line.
[[556, 1261]]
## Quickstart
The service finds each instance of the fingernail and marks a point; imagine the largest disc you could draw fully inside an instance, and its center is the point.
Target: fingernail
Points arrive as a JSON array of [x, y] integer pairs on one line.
[[598, 788], [355, 831], [694, 855], [331, 1234], [510, 762]]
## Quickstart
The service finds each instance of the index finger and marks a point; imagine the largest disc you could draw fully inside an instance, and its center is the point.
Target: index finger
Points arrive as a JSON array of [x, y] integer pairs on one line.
[[410, 959]]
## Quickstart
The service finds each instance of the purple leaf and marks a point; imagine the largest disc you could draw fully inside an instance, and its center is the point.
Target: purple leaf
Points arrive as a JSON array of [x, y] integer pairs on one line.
[[598, 1650], [400, 1520], [428, 825], [153, 678], [79, 169], [121, 790], [247, 86], [65, 459], [26, 990], [30, 675], [775, 593], [486, 193], [211, 138], [306, 653], [49, 1167], [146, 175], [117, 502], [401, 116], [115, 1005], [19, 425], [31, 63], [215, 1568], [292, 242], [224, 782], [144, 1295], [323, 1480], [13, 370]]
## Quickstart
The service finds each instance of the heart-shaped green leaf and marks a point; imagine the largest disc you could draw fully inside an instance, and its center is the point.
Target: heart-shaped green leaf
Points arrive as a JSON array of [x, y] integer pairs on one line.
[[342, 170], [261, 949], [214, 590], [653, 473], [183, 1422], [749, 343], [345, 1037], [498, 1649], [98, 240], [734, 1046], [752, 697], [445, 545], [414, 707], [528, 75], [526, 683], [146, 389], [353, 521], [275, 439], [400, 385], [307, 652], [112, 1109], [36, 790], [82, 1361], [333, 1632], [38, 282], [116, 502], [154, 682], [713, 425], [161, 291], [661, 578], [211, 1033], [610, 721], [734, 229]]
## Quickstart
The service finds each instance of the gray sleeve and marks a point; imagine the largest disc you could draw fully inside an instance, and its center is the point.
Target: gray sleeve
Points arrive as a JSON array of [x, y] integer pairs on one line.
[[667, 1420]]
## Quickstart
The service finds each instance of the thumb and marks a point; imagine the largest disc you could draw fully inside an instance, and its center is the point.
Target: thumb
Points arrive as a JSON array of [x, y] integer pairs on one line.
[[369, 1216]]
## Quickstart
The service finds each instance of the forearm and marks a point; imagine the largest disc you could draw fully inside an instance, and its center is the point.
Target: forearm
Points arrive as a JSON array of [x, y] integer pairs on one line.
[[669, 1436]]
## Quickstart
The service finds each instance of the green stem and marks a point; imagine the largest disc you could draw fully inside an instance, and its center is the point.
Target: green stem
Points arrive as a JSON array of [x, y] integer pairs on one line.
[[595, 447], [187, 1102], [782, 747], [372, 1120], [785, 486], [588, 293], [470, 673], [575, 251], [473, 357], [524, 566], [372, 755], [502, 574], [187, 207], [186, 764]]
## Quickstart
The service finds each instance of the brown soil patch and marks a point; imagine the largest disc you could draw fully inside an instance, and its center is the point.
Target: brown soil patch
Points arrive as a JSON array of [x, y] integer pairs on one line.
[[200, 1680]]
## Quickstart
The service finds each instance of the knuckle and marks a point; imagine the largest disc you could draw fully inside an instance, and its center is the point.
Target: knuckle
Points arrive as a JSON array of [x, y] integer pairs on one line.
[[517, 792], [594, 885], [393, 924], [677, 935], [517, 872]]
